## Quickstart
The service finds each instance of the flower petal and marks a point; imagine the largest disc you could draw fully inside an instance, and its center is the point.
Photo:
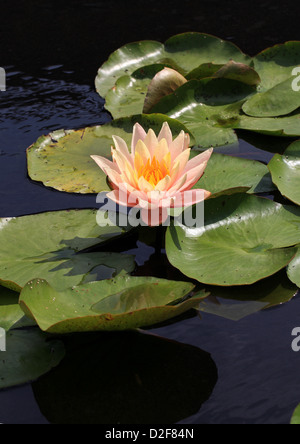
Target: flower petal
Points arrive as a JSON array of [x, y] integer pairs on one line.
[[138, 134], [142, 151], [180, 163], [144, 185], [105, 164], [161, 150], [125, 167], [154, 217], [189, 198], [163, 184], [122, 147], [166, 133], [151, 142], [178, 145], [198, 160]]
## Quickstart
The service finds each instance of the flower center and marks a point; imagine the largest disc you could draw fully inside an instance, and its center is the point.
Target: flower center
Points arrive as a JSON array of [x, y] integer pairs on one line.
[[154, 172]]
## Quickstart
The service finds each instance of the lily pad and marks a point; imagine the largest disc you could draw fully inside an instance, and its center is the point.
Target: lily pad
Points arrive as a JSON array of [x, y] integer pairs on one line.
[[183, 52], [62, 159], [198, 56], [296, 416], [211, 110], [29, 355], [245, 239], [224, 172], [128, 95], [145, 87], [285, 172], [11, 315], [119, 304], [276, 64], [231, 70], [47, 244], [294, 269], [277, 101]]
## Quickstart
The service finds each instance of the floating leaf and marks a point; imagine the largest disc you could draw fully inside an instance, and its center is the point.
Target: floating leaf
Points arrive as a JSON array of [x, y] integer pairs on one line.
[[164, 83], [11, 315], [285, 172], [294, 269], [128, 95], [275, 65], [62, 159], [203, 71], [211, 110], [224, 172], [140, 371], [296, 416], [120, 304], [29, 355], [277, 101], [280, 126], [47, 244], [245, 239], [183, 52]]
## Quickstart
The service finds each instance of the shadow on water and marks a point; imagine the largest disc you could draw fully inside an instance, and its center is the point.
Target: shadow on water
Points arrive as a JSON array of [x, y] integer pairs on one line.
[[126, 378]]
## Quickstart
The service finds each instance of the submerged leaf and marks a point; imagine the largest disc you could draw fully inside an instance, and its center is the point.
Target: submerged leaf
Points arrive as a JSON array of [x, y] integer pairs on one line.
[[29, 355]]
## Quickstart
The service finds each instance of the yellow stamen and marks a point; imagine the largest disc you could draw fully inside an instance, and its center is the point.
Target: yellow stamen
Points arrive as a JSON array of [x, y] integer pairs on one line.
[[154, 172]]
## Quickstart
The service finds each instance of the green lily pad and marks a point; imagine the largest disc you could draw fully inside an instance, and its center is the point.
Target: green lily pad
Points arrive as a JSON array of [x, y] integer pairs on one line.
[[294, 269], [11, 315], [119, 304], [285, 171], [128, 95], [277, 126], [245, 239], [231, 70], [139, 92], [296, 416], [29, 354], [224, 172], [47, 244], [183, 52], [275, 65], [211, 110], [198, 56], [277, 101], [62, 159]]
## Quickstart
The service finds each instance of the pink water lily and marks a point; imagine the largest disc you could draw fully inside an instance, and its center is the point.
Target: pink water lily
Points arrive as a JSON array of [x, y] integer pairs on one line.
[[156, 175]]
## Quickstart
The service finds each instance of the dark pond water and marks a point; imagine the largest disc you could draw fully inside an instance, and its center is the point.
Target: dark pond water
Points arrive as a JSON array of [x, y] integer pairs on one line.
[[217, 370]]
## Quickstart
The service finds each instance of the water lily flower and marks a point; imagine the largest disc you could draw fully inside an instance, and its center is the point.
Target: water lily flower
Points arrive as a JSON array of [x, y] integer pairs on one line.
[[156, 175]]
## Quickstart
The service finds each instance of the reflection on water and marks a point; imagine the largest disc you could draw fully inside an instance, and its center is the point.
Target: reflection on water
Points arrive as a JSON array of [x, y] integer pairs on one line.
[[29, 108], [126, 378]]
